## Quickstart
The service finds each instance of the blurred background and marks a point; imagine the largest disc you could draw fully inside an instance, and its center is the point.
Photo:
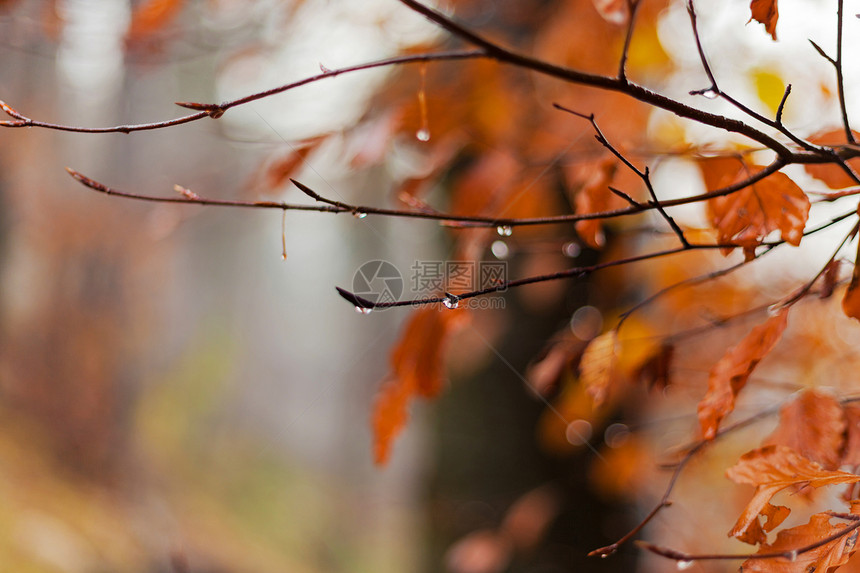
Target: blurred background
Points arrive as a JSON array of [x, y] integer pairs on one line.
[[176, 395]]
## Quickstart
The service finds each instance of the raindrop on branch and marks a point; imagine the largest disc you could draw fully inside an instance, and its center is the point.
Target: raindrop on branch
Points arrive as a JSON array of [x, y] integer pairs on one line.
[[684, 564], [363, 310], [423, 133], [505, 230], [451, 301]]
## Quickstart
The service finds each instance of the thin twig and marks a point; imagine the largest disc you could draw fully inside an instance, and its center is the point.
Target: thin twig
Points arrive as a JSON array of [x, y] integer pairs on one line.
[[645, 175], [217, 110], [715, 90], [632, 11], [790, 554], [840, 80]]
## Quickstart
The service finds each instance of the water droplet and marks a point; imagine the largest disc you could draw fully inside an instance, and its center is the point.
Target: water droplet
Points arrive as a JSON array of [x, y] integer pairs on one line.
[[682, 565], [604, 555], [363, 310], [710, 93], [586, 322], [571, 249], [505, 230], [775, 309], [359, 214], [423, 133], [578, 432], [616, 435], [324, 69], [500, 249], [451, 301], [284, 256], [792, 555]]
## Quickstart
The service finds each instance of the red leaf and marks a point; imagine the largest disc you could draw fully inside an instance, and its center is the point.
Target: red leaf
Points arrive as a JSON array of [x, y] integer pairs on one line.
[[730, 374], [766, 12], [772, 469]]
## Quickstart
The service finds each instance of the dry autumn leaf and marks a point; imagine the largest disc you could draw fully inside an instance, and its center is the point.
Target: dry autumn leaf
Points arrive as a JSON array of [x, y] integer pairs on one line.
[[746, 217], [825, 558], [772, 469], [417, 369], [833, 175], [728, 376], [814, 426], [766, 12], [597, 366], [595, 197]]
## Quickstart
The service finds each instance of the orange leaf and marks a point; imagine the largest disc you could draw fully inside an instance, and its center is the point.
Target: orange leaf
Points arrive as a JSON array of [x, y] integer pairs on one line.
[[730, 374], [597, 366], [150, 16], [833, 175], [595, 197], [417, 370], [851, 299], [825, 558], [766, 12], [813, 425], [747, 216], [771, 469]]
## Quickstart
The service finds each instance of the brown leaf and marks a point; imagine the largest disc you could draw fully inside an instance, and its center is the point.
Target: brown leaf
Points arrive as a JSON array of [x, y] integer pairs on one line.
[[655, 371], [813, 425], [771, 469], [596, 369], [417, 370], [594, 197], [833, 175], [730, 374], [279, 171], [543, 374], [529, 517], [851, 299], [825, 558], [766, 12], [747, 216]]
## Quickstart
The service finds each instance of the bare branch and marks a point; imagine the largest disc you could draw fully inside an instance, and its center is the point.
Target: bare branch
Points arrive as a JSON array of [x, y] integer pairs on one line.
[[217, 110]]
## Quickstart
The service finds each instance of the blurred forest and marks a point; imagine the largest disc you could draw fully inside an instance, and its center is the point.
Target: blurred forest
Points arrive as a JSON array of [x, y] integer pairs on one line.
[[183, 390]]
